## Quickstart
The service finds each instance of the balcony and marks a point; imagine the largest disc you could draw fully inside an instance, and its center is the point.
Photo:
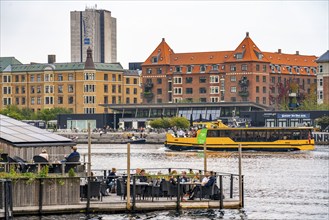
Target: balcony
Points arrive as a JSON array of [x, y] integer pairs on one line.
[[243, 93], [148, 95], [244, 82]]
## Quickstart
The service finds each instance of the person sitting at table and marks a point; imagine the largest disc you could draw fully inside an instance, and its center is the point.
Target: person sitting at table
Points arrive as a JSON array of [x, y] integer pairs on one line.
[[183, 179], [44, 154], [204, 182], [73, 154], [111, 180], [142, 177], [196, 178]]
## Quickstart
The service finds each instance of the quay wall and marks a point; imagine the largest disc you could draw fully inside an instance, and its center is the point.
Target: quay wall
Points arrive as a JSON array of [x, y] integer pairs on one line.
[[321, 138]]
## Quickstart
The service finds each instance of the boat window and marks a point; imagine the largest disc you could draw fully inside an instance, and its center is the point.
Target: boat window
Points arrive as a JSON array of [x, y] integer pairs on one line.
[[212, 133], [235, 135]]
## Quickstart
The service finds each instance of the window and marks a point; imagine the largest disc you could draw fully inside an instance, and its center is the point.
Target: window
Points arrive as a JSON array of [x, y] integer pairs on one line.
[[23, 78], [233, 78], [238, 56], [233, 67], [189, 79], [23, 89], [106, 77], [49, 89], [6, 90], [308, 81], [17, 78], [273, 89], [135, 81], [70, 76], [32, 100], [127, 90], [202, 68], [32, 78], [89, 110], [119, 88], [257, 89], [127, 81], [154, 59], [6, 101], [321, 95], [60, 89], [114, 78], [202, 79], [106, 88], [214, 99], [257, 78], [48, 77], [127, 100], [39, 78], [272, 79], [60, 100], [257, 99], [159, 70], [214, 79], [189, 90], [223, 67], [60, 77], [114, 88], [89, 99], [6, 78], [17, 90], [49, 100], [114, 100], [178, 69], [320, 68], [70, 88], [70, 100], [189, 69], [135, 91], [135, 100], [177, 80], [89, 88], [264, 89], [17, 101], [149, 71], [39, 100], [159, 81], [244, 67], [214, 90], [32, 89], [320, 82], [233, 89], [159, 91], [178, 90], [215, 67], [203, 99], [202, 90], [264, 100], [39, 89], [264, 78], [279, 79], [264, 68], [89, 76], [106, 99], [119, 78]]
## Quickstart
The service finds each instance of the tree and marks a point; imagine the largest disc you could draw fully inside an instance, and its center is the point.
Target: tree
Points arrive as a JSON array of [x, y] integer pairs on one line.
[[323, 122], [180, 122]]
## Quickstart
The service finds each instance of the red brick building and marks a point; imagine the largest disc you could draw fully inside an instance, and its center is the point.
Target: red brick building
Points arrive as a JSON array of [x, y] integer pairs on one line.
[[243, 74]]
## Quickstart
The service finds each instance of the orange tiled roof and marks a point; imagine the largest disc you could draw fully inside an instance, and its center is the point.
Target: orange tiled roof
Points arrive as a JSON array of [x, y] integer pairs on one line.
[[162, 52], [216, 57]]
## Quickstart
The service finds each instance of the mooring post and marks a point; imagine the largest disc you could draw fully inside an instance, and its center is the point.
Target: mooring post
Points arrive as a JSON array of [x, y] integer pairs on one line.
[[231, 187], [221, 203], [8, 200], [242, 192], [128, 177], [134, 193], [240, 175], [178, 196], [88, 195]]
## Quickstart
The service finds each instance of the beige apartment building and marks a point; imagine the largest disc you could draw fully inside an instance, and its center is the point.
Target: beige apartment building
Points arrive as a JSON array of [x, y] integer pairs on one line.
[[79, 86]]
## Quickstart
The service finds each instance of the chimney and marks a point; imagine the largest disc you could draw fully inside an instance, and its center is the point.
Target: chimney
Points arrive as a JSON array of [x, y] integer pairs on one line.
[[163, 40], [297, 52], [279, 50], [247, 34], [51, 59], [89, 64]]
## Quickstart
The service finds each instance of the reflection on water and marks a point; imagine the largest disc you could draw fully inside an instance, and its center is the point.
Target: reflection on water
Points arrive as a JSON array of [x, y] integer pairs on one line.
[[285, 185]]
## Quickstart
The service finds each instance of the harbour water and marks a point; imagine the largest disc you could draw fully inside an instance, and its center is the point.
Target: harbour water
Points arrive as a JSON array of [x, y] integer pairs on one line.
[[285, 185]]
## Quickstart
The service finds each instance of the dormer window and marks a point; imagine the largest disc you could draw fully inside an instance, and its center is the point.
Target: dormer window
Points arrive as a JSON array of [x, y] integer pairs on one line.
[[202, 68], [238, 56], [154, 59], [215, 67], [260, 56], [178, 69]]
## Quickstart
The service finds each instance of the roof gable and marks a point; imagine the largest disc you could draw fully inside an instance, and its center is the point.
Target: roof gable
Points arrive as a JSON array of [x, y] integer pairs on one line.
[[7, 61], [247, 51], [161, 54], [323, 58]]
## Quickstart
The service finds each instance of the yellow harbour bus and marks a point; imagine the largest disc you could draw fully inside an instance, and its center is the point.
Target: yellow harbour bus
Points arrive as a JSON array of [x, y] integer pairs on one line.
[[222, 138]]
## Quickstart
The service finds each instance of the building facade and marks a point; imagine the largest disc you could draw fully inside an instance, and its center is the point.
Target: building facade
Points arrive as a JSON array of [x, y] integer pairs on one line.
[[81, 87], [245, 74], [95, 29], [323, 78]]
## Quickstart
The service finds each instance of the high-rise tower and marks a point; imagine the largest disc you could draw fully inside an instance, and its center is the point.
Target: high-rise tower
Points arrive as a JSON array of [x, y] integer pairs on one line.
[[95, 29]]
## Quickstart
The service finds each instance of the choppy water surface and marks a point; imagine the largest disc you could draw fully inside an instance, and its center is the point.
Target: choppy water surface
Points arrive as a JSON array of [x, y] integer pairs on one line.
[[289, 185]]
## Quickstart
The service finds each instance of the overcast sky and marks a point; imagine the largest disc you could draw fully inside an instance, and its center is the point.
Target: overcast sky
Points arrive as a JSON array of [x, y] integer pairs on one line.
[[30, 30]]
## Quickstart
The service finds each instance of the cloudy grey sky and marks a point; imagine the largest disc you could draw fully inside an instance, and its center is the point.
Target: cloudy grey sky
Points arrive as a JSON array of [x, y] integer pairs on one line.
[[30, 30]]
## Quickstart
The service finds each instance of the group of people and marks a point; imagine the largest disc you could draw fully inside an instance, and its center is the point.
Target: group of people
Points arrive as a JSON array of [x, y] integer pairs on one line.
[[74, 153]]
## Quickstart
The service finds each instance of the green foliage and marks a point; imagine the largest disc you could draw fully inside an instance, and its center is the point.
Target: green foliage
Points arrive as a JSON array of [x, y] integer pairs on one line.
[[71, 173], [179, 122], [27, 114], [323, 121], [44, 172]]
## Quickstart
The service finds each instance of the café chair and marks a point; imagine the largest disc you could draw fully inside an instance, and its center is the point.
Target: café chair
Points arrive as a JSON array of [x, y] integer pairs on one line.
[[40, 161]]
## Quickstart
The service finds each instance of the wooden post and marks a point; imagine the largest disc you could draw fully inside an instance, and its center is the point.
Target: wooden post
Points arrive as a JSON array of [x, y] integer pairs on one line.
[[89, 151], [240, 174], [128, 176], [205, 157]]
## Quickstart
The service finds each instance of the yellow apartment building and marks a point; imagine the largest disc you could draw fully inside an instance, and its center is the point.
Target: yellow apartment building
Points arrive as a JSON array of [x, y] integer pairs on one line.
[[81, 87]]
